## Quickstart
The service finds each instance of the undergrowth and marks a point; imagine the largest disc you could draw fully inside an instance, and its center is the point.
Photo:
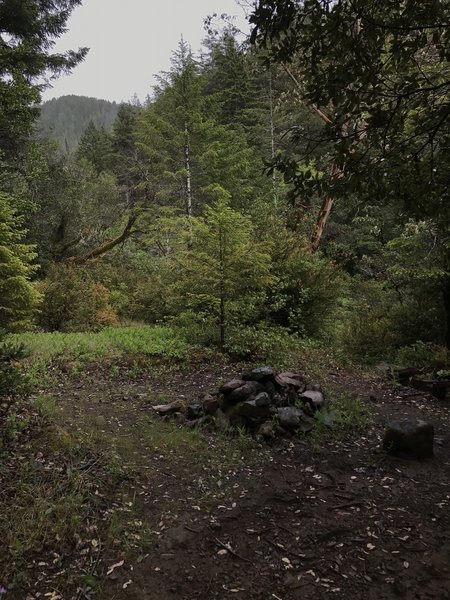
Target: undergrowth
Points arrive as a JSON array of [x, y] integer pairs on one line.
[[348, 415]]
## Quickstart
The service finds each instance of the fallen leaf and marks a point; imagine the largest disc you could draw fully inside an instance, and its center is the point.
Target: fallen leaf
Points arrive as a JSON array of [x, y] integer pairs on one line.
[[114, 566]]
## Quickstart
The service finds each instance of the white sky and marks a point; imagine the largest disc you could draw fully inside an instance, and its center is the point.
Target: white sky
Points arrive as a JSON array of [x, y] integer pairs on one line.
[[130, 41]]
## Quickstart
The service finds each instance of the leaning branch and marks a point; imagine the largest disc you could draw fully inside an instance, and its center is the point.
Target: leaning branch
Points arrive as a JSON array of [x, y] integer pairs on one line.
[[109, 244]]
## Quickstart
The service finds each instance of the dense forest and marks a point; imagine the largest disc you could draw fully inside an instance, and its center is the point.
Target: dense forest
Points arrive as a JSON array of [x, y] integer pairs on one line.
[[65, 119], [254, 195], [225, 311]]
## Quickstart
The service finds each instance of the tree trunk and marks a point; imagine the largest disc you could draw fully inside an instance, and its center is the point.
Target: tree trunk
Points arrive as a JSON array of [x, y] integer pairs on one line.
[[322, 219], [187, 159], [327, 204], [446, 295], [222, 291], [272, 142]]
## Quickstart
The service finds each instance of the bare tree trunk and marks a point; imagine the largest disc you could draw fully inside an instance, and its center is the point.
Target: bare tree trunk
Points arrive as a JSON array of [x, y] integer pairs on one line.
[[222, 291], [272, 141], [322, 218], [187, 159]]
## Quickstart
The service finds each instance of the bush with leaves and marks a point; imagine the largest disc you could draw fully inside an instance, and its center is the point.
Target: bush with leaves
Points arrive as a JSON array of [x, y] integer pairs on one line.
[[13, 383], [308, 293], [74, 302]]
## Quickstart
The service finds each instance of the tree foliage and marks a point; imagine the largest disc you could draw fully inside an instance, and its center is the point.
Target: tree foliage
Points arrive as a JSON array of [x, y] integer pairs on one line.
[[28, 30], [18, 298]]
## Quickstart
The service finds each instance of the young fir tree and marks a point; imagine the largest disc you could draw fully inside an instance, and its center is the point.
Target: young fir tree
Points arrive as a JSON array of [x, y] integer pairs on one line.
[[225, 270], [18, 298]]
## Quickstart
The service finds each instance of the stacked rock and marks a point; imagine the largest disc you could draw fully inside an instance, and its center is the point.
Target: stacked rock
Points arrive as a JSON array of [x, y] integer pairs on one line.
[[261, 401]]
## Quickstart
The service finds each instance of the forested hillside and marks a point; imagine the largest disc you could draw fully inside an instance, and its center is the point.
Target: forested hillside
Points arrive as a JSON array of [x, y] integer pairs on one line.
[[65, 119]]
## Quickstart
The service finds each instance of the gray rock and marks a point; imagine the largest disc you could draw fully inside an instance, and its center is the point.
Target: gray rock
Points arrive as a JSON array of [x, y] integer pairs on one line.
[[222, 421], [250, 409], [211, 404], [267, 430], [228, 387], [246, 391], [263, 399], [259, 374], [314, 398], [409, 438], [194, 410], [168, 409], [289, 417]]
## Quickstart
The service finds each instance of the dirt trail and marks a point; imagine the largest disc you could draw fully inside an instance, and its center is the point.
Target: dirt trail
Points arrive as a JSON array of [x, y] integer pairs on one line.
[[287, 522]]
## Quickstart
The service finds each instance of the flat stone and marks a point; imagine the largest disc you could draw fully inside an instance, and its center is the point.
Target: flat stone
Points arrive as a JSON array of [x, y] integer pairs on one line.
[[314, 398], [284, 381], [289, 417], [409, 438], [228, 387], [168, 409], [259, 374], [246, 391]]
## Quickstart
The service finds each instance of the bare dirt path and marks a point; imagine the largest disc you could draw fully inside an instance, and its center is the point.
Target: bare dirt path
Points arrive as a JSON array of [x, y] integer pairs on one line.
[[218, 518]]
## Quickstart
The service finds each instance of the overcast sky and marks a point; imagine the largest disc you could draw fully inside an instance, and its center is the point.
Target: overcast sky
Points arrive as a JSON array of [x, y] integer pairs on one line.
[[130, 41]]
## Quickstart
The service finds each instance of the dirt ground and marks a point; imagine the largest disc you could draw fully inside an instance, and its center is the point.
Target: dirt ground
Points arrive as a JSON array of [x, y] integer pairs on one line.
[[226, 518]]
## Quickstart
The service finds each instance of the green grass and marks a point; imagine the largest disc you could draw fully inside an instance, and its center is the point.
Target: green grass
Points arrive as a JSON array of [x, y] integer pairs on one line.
[[349, 415], [110, 343]]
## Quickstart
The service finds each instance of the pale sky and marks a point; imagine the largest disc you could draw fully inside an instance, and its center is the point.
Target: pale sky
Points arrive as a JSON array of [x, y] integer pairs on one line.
[[130, 41]]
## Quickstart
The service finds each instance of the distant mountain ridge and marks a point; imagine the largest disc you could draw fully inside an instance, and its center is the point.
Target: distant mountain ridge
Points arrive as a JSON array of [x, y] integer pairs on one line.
[[66, 118]]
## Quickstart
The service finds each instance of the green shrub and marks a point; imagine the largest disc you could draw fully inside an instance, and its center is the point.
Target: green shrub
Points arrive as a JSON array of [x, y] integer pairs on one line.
[[73, 302], [12, 380], [367, 332], [423, 355], [18, 297], [307, 295]]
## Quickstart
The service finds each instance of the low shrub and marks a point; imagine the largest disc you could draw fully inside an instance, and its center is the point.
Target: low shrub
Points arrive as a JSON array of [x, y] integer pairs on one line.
[[74, 302]]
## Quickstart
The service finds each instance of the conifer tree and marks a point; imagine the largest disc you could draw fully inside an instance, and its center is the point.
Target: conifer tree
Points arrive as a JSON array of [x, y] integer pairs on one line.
[[18, 298], [225, 270]]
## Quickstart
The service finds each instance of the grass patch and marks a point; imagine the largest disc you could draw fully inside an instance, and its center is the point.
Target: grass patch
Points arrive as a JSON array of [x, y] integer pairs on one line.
[[130, 345], [108, 343], [348, 415]]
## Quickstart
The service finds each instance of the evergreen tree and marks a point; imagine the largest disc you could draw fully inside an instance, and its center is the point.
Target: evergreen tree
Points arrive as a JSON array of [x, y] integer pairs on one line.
[[225, 270], [95, 146], [27, 32], [18, 298]]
